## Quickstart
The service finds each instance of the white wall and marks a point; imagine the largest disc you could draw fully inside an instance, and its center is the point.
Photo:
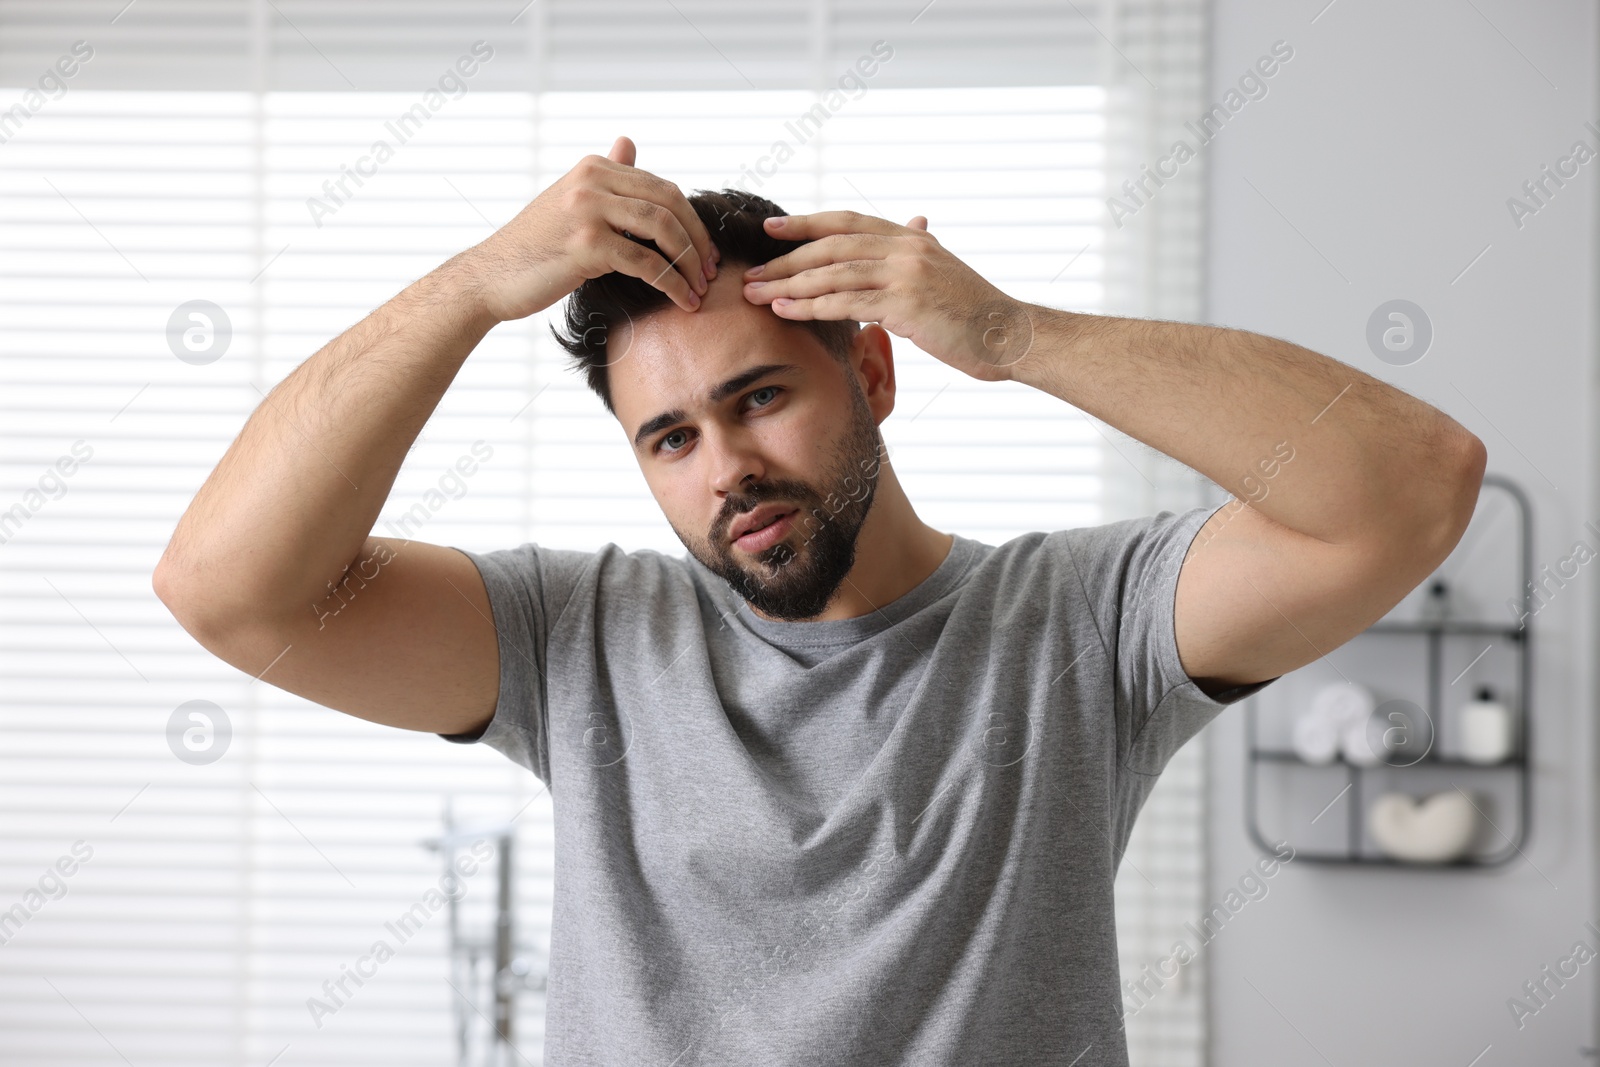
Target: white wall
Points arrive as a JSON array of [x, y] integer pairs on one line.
[[1391, 142]]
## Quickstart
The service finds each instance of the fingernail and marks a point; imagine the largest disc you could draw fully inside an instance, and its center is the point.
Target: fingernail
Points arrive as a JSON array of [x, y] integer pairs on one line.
[[755, 272], [694, 299], [754, 285], [777, 223], [782, 302]]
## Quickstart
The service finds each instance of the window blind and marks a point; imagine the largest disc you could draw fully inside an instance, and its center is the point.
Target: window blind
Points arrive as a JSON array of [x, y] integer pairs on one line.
[[369, 45], [219, 900]]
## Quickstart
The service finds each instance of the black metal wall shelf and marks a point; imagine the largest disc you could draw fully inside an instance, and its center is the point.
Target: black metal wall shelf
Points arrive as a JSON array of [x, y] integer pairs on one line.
[[1434, 633]]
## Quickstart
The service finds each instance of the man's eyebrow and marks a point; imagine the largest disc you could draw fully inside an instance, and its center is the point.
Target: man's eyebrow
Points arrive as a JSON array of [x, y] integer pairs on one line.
[[716, 395]]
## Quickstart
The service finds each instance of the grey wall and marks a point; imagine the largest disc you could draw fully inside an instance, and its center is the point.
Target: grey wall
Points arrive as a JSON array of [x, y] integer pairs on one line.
[[1379, 166]]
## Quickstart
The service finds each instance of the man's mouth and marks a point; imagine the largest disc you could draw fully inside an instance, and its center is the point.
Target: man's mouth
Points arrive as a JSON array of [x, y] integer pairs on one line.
[[762, 527]]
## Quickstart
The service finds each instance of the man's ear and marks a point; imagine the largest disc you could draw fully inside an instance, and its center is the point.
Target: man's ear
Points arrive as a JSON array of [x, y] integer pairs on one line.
[[872, 362]]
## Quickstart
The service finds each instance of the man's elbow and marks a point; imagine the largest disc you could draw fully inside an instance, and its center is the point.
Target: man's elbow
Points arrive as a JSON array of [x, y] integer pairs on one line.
[[236, 635], [179, 601], [195, 604], [1460, 477]]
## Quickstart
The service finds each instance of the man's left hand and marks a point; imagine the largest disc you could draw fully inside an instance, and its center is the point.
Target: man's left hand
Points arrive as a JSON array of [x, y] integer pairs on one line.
[[869, 269]]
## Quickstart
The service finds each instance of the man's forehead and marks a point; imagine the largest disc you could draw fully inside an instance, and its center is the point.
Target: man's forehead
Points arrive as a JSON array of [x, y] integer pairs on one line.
[[666, 361]]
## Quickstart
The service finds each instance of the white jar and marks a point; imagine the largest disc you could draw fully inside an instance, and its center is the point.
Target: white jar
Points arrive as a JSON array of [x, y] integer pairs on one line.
[[1485, 729]]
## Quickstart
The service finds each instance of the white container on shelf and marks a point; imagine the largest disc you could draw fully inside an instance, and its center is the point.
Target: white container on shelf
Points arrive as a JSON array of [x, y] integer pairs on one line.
[[1486, 730]]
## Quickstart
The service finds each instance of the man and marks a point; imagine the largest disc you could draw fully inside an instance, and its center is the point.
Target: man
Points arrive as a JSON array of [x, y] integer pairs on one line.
[[837, 787]]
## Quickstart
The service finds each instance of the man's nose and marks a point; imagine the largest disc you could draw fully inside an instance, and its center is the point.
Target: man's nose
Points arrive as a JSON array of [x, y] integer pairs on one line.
[[733, 460]]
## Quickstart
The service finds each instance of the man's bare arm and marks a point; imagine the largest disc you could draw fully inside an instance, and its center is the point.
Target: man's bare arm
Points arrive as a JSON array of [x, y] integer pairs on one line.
[[1379, 490], [276, 542], [1348, 491], [278, 538]]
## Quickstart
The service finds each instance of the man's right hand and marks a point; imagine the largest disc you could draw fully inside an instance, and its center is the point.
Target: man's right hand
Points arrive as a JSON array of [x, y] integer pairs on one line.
[[573, 231], [273, 567]]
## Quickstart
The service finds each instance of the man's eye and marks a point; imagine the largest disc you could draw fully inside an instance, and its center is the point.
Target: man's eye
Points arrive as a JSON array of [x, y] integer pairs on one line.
[[664, 441], [773, 389]]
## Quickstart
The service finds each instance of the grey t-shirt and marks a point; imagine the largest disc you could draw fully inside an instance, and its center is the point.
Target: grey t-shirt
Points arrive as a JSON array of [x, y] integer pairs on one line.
[[882, 840]]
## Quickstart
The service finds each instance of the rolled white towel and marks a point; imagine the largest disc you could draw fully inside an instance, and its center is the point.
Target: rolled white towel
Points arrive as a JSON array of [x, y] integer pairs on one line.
[[1316, 738], [1365, 742], [1336, 721]]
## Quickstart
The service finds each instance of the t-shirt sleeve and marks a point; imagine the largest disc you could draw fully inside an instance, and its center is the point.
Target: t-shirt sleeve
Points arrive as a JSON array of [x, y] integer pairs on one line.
[[1130, 576], [528, 588]]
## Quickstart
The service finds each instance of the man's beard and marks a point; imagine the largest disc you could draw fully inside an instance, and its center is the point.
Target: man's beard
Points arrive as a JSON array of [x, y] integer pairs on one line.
[[796, 583]]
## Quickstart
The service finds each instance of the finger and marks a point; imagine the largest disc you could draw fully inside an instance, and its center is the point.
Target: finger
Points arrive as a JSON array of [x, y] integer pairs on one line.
[[623, 151], [818, 253], [919, 223], [849, 275], [634, 259], [823, 223], [861, 305], [651, 221], [632, 183]]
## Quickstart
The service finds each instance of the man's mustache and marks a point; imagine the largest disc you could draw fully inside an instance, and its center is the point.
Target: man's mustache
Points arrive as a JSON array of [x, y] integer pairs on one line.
[[790, 492]]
